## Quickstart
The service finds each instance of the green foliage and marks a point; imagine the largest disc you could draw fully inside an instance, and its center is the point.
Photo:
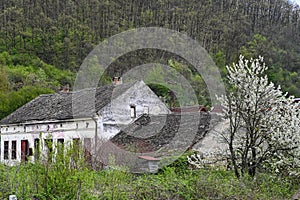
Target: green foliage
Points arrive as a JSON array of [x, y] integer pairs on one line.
[[66, 177], [23, 78], [13, 100], [44, 44], [161, 81], [275, 56], [60, 181], [180, 164]]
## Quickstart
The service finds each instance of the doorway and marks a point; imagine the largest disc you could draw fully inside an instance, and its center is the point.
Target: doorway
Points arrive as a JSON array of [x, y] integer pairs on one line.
[[24, 150]]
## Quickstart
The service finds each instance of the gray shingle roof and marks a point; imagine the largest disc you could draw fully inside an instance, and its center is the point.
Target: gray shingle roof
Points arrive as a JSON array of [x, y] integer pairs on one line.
[[58, 106], [151, 133]]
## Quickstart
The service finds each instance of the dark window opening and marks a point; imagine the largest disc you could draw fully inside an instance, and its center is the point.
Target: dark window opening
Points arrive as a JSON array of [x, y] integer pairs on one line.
[[75, 152], [132, 112], [87, 150], [14, 150], [76, 147], [60, 147], [49, 149], [30, 152], [5, 150], [36, 148]]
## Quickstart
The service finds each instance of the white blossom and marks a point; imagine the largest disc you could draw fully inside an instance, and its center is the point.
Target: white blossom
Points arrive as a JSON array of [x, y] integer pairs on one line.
[[264, 126]]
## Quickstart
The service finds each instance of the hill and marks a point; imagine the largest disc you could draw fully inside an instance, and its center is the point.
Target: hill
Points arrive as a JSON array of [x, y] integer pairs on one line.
[[44, 42]]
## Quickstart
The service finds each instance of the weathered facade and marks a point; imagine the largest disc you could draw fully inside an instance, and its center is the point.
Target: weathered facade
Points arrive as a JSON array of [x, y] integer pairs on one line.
[[26, 132]]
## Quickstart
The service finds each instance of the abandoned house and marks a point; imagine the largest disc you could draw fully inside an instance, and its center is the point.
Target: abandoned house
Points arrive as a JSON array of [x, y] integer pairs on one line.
[[49, 119]]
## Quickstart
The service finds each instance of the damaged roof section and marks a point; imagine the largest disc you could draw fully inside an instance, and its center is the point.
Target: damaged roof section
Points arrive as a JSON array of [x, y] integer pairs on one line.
[[58, 106], [163, 132]]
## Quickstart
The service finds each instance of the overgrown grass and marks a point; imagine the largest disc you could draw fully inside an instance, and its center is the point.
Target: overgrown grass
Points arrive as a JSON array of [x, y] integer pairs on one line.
[[61, 182]]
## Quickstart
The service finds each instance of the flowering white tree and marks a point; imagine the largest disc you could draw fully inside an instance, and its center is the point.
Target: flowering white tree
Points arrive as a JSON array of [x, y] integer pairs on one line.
[[264, 122]]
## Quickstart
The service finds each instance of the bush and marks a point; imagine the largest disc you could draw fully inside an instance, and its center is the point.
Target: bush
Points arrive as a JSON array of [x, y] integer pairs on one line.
[[60, 181]]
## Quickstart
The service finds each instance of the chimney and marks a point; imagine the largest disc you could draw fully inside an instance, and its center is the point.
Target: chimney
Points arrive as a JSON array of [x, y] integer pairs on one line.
[[117, 80], [65, 88]]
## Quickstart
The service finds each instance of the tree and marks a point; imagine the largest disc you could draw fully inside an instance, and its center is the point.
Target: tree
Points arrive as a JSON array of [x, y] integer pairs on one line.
[[264, 123]]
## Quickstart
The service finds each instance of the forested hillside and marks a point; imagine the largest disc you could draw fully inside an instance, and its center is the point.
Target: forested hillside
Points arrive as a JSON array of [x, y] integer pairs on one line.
[[42, 43]]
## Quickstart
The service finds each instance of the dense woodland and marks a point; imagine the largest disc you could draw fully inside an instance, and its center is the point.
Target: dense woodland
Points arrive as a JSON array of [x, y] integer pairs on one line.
[[43, 43]]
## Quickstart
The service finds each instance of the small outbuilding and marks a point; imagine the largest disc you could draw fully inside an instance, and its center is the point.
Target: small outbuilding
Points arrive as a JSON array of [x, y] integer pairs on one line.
[[148, 164]]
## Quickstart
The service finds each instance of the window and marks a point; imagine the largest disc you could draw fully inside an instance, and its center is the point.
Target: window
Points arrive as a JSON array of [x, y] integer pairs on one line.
[[49, 149], [5, 150], [14, 150], [36, 148], [76, 147], [75, 153], [132, 112], [87, 150], [87, 144], [60, 147], [60, 141], [117, 80]]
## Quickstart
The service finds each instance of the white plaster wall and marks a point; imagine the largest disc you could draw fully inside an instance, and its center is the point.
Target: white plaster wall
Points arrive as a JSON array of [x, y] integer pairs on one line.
[[59, 130], [118, 111], [140, 96]]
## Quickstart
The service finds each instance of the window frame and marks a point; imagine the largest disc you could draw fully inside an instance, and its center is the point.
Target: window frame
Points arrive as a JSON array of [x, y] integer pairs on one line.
[[132, 111], [14, 149], [6, 150]]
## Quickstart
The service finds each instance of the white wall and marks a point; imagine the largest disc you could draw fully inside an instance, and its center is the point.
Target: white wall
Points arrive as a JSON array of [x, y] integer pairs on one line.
[[67, 130], [140, 96]]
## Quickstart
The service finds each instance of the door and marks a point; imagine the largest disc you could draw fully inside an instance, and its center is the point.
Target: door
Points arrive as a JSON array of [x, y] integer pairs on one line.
[[24, 150]]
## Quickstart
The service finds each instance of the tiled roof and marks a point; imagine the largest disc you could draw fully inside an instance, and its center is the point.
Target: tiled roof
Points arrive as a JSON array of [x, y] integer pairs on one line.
[[58, 106], [151, 133]]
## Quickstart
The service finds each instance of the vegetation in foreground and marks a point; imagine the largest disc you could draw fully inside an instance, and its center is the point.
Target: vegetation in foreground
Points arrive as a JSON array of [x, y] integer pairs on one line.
[[74, 180]]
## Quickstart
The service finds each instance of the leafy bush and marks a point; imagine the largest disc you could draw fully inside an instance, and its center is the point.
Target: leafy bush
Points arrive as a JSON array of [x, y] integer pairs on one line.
[[60, 181]]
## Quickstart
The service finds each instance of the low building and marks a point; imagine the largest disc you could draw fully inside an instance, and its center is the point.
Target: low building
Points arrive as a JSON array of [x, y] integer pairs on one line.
[[38, 126]]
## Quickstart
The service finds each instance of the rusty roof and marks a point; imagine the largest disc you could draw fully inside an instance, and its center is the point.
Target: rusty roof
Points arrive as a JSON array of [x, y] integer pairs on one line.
[[149, 158]]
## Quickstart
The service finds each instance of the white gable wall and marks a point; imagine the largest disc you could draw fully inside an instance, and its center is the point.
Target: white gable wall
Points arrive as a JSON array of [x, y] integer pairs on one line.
[[141, 97], [118, 112]]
